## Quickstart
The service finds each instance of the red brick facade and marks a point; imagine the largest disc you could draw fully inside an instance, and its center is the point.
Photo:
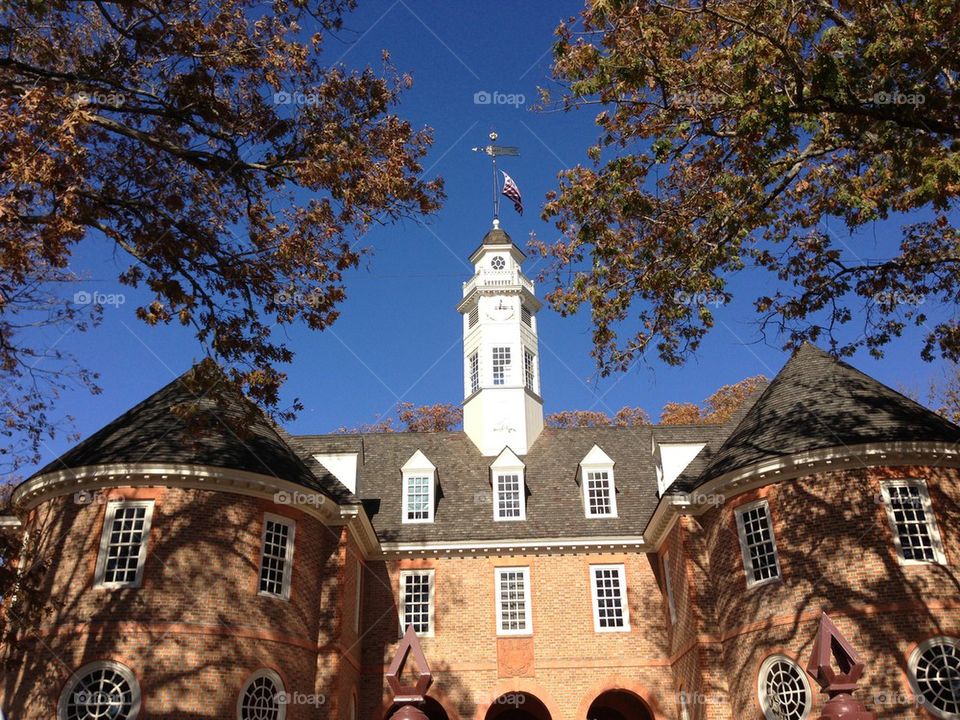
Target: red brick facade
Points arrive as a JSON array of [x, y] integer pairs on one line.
[[197, 628]]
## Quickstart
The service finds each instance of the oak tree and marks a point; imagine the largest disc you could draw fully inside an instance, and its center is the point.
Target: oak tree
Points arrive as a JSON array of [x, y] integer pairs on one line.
[[731, 136], [231, 172]]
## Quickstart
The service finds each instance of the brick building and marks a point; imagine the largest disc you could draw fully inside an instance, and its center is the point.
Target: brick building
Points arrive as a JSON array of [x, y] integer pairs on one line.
[[604, 573]]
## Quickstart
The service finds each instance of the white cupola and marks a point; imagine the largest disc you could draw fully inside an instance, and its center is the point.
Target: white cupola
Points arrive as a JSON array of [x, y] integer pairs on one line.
[[502, 404]]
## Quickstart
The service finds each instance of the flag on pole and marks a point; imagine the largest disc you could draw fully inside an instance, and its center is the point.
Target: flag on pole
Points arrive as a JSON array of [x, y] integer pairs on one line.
[[511, 190]]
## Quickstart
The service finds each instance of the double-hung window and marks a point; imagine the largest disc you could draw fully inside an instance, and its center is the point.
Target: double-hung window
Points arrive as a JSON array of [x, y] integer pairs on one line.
[[757, 543], [599, 490], [123, 544], [609, 589], [513, 601], [416, 601], [529, 370], [508, 497], [276, 558], [668, 589], [419, 489], [915, 531], [474, 371], [501, 365]]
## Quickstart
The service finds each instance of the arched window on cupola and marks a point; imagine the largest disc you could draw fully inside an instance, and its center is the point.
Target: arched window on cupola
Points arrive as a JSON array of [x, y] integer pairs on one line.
[[597, 482], [419, 489]]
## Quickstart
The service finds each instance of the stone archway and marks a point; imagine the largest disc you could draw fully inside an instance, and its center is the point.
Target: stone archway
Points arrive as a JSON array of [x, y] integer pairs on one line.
[[618, 705], [517, 706]]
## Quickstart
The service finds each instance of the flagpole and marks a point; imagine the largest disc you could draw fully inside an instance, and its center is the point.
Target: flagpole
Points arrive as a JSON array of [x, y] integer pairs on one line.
[[496, 195]]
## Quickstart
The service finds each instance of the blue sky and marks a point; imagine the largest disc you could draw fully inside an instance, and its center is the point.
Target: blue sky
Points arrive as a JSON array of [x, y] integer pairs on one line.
[[398, 337]]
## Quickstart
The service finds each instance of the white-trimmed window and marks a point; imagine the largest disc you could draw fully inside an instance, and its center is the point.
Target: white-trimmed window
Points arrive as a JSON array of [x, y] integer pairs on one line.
[[783, 689], [501, 365], [757, 544], [915, 531], [419, 489], [416, 601], [599, 488], [609, 589], [102, 689], [935, 675], [508, 496], [123, 544], [529, 371], [513, 601], [276, 557], [668, 588], [474, 371], [261, 697]]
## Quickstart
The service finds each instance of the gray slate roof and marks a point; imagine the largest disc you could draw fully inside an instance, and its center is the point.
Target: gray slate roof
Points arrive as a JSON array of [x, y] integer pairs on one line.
[[464, 508], [150, 432], [815, 402]]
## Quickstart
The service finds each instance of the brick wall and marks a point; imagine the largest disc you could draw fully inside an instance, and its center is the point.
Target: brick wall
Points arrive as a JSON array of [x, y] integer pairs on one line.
[[565, 663], [197, 627], [837, 555]]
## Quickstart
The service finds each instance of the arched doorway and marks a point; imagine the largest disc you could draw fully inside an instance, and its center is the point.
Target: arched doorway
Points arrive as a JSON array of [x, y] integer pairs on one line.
[[517, 706], [618, 705]]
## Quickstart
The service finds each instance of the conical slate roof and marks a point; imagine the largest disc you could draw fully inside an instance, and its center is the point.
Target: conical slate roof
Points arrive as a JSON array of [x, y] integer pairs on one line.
[[235, 434], [816, 402]]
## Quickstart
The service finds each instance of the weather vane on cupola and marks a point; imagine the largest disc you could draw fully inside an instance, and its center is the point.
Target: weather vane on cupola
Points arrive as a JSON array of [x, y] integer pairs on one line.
[[509, 188]]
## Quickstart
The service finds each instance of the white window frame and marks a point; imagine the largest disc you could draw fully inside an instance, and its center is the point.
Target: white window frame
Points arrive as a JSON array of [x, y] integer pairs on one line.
[[404, 574], [473, 372], [765, 706], [506, 472], [78, 675], [585, 472], [503, 353], [668, 588], [914, 661], [527, 604], [108, 519], [624, 603], [408, 476], [275, 678], [932, 527], [288, 560], [739, 512], [530, 370]]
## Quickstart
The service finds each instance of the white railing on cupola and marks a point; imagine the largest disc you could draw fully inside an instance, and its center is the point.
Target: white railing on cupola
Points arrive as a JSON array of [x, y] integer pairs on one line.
[[497, 279]]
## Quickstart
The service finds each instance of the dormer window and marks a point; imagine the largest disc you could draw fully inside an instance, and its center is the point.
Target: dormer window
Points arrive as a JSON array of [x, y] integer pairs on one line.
[[599, 490], [509, 497], [419, 489]]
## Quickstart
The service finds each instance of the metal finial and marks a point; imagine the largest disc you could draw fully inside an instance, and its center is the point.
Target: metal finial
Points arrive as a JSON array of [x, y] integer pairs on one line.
[[494, 151], [493, 136]]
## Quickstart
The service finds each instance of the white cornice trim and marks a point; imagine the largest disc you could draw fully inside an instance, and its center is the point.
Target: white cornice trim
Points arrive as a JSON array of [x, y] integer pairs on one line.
[[741, 480], [202, 477], [467, 547]]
